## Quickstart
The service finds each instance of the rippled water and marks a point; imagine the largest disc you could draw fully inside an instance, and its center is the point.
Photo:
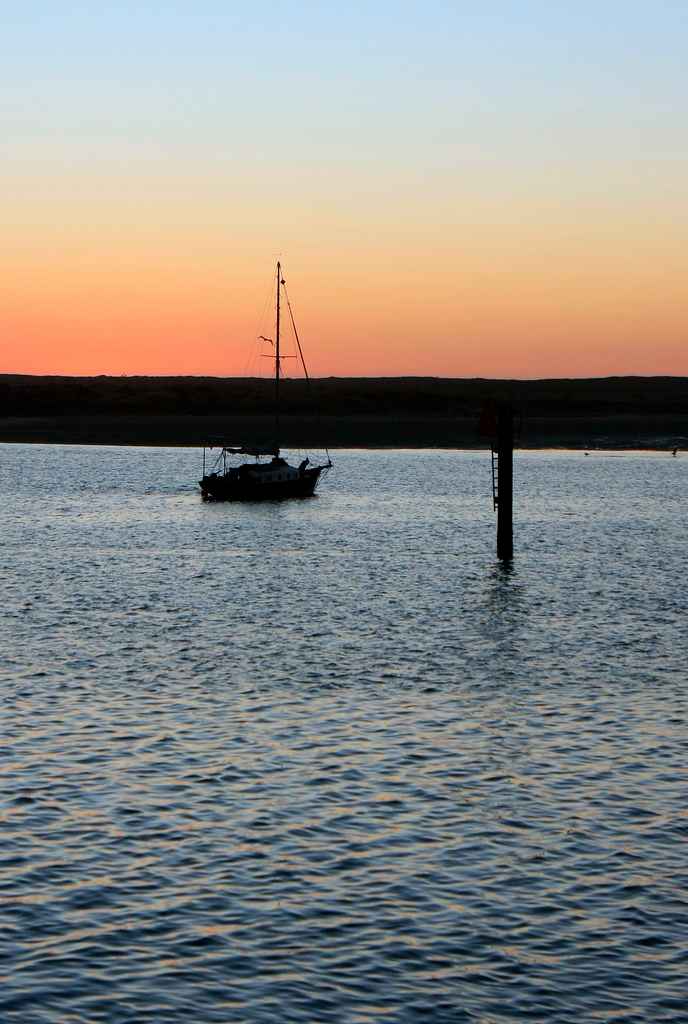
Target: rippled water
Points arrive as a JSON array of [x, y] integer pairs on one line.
[[327, 760]]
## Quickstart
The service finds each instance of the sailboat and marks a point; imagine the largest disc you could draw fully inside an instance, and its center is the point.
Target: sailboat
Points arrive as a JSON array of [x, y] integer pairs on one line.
[[232, 477]]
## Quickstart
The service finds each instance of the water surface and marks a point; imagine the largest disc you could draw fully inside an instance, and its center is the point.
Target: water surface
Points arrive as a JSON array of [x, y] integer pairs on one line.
[[328, 760]]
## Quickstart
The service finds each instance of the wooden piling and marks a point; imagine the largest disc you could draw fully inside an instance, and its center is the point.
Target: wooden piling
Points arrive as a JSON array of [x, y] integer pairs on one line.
[[505, 500]]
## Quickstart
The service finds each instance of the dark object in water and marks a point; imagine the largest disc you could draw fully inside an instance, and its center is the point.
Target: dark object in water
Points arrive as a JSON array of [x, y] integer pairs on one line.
[[260, 481]]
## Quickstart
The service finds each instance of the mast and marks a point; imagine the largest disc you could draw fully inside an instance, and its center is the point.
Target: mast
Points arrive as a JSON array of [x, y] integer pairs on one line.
[[277, 356]]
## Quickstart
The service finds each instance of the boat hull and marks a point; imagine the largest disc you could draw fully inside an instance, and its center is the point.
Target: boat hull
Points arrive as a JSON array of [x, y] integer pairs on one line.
[[225, 488]]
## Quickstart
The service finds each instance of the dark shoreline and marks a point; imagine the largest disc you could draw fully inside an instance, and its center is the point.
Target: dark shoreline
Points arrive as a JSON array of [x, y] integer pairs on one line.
[[165, 431], [618, 412]]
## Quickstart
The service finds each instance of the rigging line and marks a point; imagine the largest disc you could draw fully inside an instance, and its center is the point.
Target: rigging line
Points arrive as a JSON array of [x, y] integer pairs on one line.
[[318, 418], [252, 356], [296, 333]]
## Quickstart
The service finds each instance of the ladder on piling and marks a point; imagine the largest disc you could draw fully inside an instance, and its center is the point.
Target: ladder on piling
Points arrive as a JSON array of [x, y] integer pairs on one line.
[[495, 477]]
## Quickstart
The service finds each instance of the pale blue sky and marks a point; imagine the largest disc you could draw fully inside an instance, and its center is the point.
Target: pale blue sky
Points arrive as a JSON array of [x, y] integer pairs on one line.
[[406, 75]]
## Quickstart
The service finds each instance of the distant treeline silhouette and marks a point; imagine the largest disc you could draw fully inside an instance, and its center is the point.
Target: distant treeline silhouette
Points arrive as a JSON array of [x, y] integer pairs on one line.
[[423, 411], [24, 395]]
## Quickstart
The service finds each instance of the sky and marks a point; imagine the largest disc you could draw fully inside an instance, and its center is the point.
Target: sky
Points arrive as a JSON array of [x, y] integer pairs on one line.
[[454, 189]]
